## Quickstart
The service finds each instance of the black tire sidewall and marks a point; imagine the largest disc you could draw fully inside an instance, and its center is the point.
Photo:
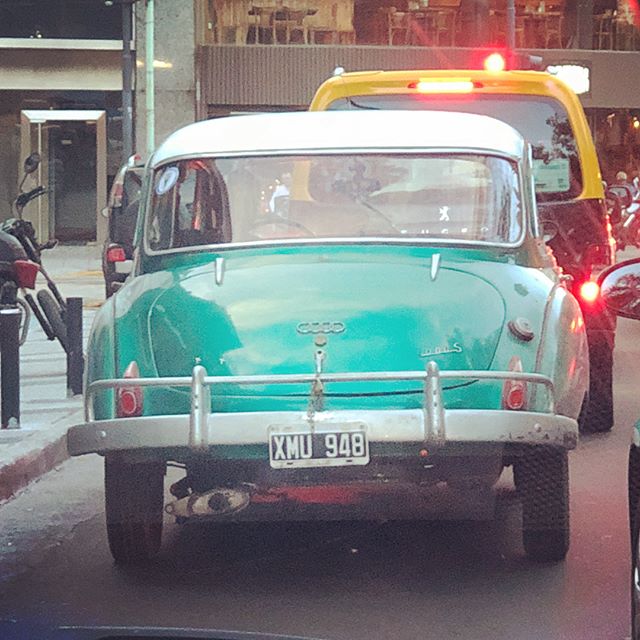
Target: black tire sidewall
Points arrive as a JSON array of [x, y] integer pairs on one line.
[[598, 417], [134, 502], [542, 481]]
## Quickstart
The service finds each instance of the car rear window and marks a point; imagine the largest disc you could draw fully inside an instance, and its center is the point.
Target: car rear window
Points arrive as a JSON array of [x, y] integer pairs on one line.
[[544, 122], [465, 197]]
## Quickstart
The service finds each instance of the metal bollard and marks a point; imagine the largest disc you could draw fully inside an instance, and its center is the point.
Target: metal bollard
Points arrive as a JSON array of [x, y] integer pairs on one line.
[[10, 366], [75, 357]]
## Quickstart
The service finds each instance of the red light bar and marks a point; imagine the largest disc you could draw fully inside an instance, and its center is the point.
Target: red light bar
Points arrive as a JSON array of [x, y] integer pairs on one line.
[[443, 86]]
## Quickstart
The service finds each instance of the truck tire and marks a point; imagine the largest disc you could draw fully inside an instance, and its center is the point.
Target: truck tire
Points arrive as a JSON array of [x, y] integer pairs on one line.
[[598, 417], [134, 500], [542, 482]]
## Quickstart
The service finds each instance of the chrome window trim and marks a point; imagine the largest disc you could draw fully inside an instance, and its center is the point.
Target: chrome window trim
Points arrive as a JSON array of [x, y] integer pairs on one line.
[[525, 211]]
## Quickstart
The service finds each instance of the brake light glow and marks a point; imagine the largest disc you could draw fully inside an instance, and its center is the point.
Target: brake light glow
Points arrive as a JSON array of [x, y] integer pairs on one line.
[[442, 86], [116, 254], [514, 392], [129, 399], [589, 291], [26, 273], [495, 63]]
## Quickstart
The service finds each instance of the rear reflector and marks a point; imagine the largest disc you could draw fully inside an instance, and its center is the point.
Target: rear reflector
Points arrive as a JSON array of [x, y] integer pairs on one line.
[[442, 86], [589, 291], [26, 273], [116, 254], [514, 392], [129, 399]]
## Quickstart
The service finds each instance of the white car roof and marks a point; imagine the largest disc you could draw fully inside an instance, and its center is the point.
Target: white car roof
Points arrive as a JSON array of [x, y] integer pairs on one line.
[[340, 131]]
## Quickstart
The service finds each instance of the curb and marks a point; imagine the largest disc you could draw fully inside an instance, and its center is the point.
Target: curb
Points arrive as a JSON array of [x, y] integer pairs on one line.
[[38, 453]]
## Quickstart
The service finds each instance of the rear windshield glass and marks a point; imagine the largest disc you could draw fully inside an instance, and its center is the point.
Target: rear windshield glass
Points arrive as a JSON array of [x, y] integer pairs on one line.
[[542, 121], [466, 197]]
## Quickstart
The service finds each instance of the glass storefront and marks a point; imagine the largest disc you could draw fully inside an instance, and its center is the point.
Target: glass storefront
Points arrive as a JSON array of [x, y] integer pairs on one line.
[[539, 23], [617, 136], [69, 156]]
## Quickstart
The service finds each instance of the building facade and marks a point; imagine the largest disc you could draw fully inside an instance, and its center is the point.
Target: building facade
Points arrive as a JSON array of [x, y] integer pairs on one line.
[[61, 74], [264, 55], [60, 95]]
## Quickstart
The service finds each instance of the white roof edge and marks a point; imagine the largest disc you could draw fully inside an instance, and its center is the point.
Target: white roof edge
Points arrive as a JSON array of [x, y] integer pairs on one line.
[[315, 132]]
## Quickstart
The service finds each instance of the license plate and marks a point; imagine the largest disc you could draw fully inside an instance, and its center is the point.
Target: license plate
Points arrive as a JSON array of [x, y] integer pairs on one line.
[[294, 447]]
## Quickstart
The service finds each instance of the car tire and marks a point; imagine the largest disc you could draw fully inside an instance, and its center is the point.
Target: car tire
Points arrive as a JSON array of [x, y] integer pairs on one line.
[[634, 535], [134, 500], [53, 314], [598, 417], [542, 482]]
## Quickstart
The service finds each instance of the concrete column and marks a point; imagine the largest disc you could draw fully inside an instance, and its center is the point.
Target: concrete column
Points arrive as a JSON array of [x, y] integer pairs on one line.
[[175, 103], [584, 24]]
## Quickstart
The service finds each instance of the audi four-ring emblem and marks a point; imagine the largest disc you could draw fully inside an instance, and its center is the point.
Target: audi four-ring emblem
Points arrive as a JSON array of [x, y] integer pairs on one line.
[[320, 327]]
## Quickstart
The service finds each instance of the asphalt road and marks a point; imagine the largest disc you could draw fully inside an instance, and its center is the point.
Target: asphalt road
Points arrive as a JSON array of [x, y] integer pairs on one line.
[[444, 581]]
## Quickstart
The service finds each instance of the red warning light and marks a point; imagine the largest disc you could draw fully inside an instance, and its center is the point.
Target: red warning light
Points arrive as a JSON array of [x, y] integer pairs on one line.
[[495, 62]]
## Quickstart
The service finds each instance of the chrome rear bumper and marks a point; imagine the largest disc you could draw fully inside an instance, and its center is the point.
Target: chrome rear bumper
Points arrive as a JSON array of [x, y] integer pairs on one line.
[[432, 425]]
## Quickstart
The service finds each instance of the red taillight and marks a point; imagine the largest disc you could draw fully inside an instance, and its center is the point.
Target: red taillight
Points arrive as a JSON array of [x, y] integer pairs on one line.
[[26, 273], [116, 254], [495, 62], [130, 398], [589, 291], [514, 392]]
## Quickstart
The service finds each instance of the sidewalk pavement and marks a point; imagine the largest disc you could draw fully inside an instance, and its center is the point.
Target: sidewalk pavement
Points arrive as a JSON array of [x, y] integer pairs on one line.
[[45, 410]]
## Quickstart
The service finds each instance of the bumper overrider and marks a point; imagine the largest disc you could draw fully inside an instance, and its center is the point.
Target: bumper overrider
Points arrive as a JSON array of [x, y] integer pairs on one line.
[[433, 424]]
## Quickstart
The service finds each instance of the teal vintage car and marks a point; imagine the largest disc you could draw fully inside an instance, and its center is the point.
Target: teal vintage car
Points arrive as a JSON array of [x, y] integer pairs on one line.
[[336, 315]]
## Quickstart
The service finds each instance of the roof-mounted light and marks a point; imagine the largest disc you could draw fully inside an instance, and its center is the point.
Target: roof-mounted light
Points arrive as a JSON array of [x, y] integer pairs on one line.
[[495, 63], [442, 86]]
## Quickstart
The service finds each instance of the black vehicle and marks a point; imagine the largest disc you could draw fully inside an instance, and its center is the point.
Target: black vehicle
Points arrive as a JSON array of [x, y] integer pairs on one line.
[[21, 262], [122, 214]]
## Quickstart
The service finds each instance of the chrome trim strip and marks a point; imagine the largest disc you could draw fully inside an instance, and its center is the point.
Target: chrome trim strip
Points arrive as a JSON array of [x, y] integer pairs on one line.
[[332, 241], [154, 164], [435, 265], [543, 332], [258, 244], [219, 266]]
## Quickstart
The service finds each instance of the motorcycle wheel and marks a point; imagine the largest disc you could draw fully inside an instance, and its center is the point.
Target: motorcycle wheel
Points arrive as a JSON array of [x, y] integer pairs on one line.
[[53, 313]]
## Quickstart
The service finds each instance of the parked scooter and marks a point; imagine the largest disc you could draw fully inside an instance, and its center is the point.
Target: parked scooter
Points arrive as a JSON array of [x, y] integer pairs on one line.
[[20, 263]]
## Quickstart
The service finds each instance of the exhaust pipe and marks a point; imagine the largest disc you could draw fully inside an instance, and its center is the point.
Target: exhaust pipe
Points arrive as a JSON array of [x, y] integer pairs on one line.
[[216, 502]]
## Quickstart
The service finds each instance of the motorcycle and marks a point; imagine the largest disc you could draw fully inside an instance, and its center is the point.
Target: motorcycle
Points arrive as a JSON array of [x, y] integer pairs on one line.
[[21, 262], [626, 231]]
